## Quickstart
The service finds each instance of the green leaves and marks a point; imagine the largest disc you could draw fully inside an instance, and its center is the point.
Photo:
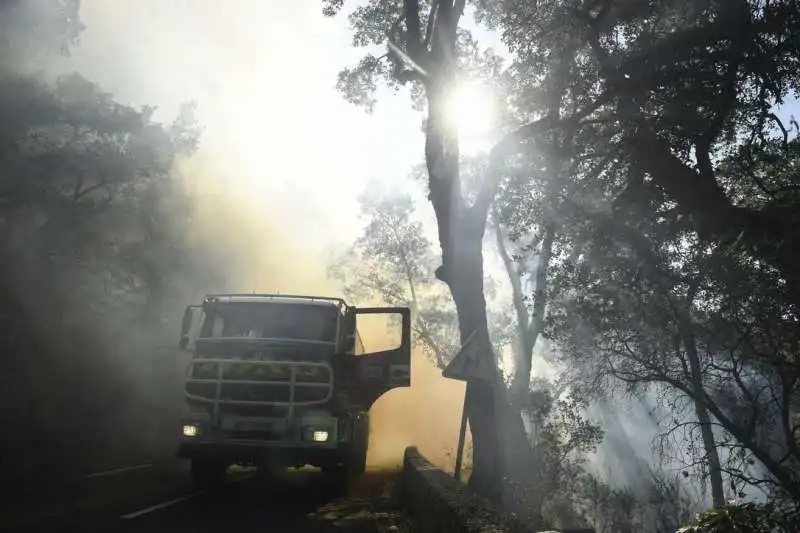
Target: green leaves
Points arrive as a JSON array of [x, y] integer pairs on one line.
[[771, 517]]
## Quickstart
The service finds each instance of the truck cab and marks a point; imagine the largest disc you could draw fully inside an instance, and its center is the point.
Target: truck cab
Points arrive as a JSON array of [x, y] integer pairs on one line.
[[282, 381]]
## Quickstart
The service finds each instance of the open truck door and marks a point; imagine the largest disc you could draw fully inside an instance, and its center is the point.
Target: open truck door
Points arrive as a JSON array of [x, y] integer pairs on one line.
[[189, 326], [382, 371]]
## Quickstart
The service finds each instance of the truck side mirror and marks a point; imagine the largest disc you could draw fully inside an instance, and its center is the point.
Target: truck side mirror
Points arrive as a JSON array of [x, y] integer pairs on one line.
[[186, 325], [350, 343], [188, 315]]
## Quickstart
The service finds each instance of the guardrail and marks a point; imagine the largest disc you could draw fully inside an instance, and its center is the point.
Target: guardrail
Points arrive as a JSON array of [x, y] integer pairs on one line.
[[437, 503]]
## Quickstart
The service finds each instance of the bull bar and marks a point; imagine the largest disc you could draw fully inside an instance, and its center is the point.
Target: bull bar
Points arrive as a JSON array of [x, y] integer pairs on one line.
[[292, 383]]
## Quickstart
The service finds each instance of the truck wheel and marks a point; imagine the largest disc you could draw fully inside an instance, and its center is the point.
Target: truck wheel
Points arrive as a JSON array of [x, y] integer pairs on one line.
[[208, 473]]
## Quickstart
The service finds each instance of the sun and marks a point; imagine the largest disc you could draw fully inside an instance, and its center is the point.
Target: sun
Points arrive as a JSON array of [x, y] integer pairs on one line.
[[471, 111]]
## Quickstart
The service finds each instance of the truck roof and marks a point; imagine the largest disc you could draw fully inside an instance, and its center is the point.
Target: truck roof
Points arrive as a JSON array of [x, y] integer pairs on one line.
[[324, 301]]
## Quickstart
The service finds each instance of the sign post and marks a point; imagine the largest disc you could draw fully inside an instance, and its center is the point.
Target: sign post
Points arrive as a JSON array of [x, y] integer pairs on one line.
[[467, 365]]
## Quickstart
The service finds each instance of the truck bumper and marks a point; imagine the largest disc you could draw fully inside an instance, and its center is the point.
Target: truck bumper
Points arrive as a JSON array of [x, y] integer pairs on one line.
[[247, 451]]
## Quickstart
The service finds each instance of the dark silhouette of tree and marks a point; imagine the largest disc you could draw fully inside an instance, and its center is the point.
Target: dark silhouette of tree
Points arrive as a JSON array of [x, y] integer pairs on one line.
[[93, 240]]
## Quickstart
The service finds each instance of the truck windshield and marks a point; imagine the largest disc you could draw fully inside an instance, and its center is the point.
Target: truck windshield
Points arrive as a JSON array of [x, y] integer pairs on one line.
[[271, 320]]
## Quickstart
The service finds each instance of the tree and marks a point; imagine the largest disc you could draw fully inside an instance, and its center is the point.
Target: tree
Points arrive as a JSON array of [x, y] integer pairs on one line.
[[393, 261], [664, 80], [92, 220], [561, 438], [669, 178], [667, 79], [524, 227], [426, 50], [647, 325], [529, 312], [747, 517]]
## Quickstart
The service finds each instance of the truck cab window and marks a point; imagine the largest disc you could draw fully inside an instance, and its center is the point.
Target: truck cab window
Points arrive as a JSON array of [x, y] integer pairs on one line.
[[268, 320]]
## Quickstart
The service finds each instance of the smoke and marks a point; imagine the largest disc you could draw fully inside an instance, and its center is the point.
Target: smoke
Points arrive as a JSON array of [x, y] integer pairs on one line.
[[272, 187], [426, 415]]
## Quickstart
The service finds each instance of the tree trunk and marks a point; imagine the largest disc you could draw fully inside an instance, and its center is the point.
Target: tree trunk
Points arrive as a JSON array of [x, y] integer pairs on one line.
[[463, 274], [701, 410], [461, 231], [529, 325], [524, 347], [503, 463]]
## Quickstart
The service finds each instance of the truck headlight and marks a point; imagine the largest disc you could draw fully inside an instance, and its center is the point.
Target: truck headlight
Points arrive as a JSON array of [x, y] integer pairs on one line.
[[319, 435], [190, 430]]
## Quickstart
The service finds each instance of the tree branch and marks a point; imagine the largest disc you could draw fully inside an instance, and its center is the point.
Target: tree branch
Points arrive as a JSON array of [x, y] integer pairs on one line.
[[510, 144], [540, 292], [497, 156], [431, 23], [413, 36], [426, 336], [783, 129], [78, 194], [517, 297]]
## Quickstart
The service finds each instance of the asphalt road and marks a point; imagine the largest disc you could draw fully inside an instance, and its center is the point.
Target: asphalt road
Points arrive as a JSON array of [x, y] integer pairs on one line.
[[150, 498]]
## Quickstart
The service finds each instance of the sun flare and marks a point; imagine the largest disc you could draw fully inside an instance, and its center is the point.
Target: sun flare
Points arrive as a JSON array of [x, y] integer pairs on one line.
[[471, 112]]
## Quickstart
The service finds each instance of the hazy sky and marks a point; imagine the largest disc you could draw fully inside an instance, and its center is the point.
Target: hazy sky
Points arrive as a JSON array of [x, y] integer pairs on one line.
[[264, 74]]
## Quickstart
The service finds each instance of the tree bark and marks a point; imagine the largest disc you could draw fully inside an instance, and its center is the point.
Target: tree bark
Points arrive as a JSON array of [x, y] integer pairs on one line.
[[464, 277], [461, 240], [460, 229]]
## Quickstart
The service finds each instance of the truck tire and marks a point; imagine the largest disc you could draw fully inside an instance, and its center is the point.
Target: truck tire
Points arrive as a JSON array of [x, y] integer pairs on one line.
[[208, 473]]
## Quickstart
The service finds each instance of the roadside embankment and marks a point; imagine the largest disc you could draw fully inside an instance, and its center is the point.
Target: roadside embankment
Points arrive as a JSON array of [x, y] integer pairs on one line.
[[439, 503]]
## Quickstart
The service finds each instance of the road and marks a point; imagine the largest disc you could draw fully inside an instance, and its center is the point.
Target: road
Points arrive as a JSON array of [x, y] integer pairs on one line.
[[147, 498]]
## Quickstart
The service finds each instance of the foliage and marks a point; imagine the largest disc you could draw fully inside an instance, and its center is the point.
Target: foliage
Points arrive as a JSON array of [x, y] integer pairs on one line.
[[95, 244], [646, 134], [624, 315], [770, 517], [660, 503], [561, 438], [674, 264], [89, 182]]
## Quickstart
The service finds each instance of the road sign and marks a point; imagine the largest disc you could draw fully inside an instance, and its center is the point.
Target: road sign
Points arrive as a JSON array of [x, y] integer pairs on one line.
[[469, 364]]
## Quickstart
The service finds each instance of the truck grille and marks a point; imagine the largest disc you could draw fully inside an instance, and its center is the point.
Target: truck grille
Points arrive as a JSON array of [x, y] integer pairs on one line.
[[251, 435], [259, 383], [267, 411]]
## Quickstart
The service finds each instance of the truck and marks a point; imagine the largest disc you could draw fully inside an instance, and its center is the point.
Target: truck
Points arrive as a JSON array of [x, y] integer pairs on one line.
[[279, 381]]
